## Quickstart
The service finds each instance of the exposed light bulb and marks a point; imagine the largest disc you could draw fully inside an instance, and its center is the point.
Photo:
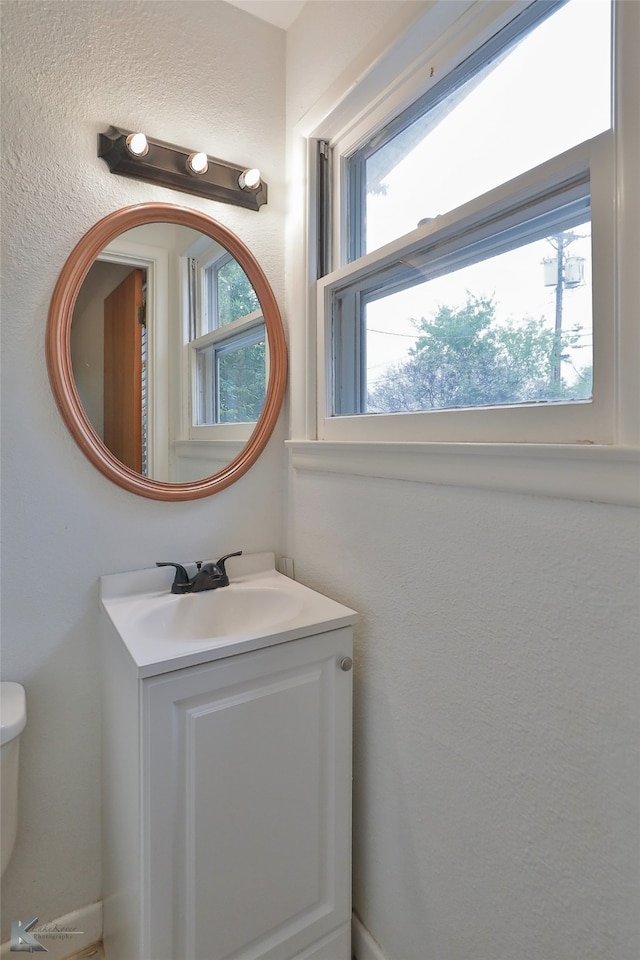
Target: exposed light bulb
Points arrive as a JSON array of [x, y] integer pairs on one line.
[[137, 144], [197, 163], [249, 179]]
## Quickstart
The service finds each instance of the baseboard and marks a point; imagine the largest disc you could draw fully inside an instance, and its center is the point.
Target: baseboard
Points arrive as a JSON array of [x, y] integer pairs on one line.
[[66, 936], [363, 946], [78, 930]]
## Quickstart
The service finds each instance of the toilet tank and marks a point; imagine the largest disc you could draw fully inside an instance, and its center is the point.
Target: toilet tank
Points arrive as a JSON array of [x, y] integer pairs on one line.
[[13, 717]]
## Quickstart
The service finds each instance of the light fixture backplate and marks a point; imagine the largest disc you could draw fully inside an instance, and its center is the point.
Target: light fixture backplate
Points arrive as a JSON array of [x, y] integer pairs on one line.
[[165, 164]]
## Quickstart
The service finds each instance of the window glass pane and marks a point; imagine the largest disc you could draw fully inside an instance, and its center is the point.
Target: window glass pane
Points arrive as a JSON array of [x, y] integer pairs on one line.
[[241, 380], [236, 297], [231, 295], [232, 380], [512, 329], [548, 93], [206, 385]]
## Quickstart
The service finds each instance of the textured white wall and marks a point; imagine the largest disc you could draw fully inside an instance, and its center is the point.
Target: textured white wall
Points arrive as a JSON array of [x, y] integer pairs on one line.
[[496, 780], [327, 36], [496, 714], [181, 71]]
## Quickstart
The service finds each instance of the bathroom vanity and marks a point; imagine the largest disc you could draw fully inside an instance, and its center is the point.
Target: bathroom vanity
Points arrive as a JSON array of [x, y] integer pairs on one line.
[[227, 769]]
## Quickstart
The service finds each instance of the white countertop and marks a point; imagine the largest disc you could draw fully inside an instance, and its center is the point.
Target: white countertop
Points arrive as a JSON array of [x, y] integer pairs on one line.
[[259, 608]]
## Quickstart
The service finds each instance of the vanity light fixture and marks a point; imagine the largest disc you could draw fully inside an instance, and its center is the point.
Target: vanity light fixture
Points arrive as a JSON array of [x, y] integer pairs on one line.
[[137, 144], [249, 179], [155, 161], [197, 164]]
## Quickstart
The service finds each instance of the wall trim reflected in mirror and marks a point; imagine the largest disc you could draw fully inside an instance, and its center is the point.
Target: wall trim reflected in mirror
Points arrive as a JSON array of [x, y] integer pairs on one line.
[[245, 343]]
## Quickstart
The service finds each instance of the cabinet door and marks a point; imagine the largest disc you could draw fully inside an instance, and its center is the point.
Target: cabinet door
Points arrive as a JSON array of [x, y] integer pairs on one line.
[[247, 791]]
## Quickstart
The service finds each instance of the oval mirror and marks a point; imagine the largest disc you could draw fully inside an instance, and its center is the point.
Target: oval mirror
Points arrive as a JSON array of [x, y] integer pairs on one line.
[[166, 351]]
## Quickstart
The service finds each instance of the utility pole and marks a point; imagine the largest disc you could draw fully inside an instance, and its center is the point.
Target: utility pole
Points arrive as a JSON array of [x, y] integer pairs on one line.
[[556, 361], [559, 279]]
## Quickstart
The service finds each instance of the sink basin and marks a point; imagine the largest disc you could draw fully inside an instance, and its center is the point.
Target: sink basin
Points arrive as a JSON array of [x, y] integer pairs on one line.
[[163, 631], [236, 609]]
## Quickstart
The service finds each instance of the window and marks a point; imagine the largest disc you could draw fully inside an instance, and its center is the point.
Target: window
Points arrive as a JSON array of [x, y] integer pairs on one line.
[[537, 88], [471, 296], [227, 343]]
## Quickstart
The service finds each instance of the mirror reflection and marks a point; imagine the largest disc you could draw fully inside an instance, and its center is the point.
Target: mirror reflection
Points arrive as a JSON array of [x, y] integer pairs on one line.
[[169, 352]]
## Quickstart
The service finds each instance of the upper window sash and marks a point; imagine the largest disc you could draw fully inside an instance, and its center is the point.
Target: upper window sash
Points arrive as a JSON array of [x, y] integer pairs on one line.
[[354, 164], [223, 279], [430, 111], [198, 260], [211, 280]]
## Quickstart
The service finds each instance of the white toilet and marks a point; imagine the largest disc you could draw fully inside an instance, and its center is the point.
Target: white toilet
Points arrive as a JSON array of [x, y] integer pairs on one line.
[[13, 717]]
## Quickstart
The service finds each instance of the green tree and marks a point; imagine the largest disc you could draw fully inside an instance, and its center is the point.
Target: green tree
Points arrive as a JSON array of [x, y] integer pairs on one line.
[[236, 296], [463, 359], [241, 374], [242, 383]]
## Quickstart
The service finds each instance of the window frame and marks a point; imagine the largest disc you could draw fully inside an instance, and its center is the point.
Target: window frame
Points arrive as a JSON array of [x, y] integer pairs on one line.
[[541, 423], [378, 83], [559, 422], [199, 333]]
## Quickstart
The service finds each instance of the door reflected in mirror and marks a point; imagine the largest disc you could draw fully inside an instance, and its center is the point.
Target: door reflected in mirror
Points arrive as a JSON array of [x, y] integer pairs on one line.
[[169, 347]]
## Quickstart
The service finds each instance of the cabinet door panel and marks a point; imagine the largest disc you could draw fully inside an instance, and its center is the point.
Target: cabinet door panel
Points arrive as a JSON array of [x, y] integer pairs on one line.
[[259, 838], [255, 797]]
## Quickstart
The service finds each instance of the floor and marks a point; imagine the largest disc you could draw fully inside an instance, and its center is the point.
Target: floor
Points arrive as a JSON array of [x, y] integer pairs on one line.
[[94, 952]]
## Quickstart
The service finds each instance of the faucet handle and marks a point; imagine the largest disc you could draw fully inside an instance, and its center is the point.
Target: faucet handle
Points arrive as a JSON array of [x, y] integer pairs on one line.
[[221, 562], [181, 583]]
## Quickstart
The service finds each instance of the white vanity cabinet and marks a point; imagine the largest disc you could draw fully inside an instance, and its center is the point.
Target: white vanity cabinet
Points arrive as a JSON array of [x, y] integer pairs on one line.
[[227, 804]]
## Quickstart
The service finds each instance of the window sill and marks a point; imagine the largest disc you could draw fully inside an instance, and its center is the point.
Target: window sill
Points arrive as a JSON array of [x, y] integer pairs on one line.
[[218, 452], [599, 473]]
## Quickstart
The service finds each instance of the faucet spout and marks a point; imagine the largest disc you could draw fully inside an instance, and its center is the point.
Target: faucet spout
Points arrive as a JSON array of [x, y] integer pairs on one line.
[[210, 576]]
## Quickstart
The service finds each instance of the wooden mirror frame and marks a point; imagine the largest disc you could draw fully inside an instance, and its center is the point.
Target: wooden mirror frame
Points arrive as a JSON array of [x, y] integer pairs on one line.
[[58, 350]]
